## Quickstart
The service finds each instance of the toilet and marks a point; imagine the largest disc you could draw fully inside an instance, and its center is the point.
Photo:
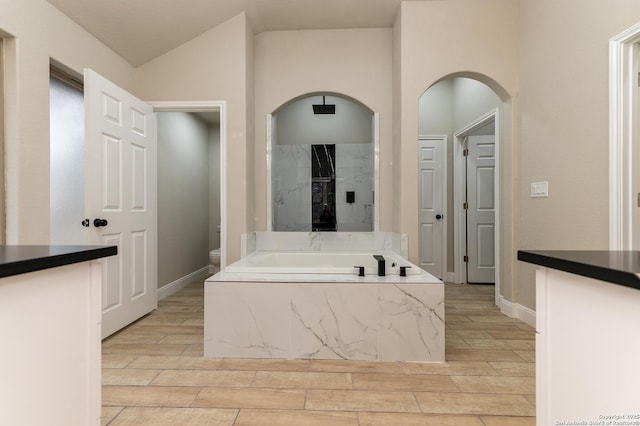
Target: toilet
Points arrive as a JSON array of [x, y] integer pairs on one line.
[[214, 259]]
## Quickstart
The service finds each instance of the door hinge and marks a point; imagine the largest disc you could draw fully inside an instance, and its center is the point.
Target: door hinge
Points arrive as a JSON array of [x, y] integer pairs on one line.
[[466, 206], [466, 259], [466, 150]]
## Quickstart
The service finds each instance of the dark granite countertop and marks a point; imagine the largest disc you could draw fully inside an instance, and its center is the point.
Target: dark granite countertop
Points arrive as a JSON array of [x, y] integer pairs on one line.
[[617, 267], [20, 259]]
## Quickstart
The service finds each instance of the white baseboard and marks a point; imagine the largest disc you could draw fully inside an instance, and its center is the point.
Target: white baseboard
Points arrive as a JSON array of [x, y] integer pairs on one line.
[[450, 277], [180, 283], [516, 310]]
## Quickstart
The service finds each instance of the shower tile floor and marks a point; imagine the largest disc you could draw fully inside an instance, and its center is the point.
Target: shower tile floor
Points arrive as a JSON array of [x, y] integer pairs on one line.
[[154, 374]]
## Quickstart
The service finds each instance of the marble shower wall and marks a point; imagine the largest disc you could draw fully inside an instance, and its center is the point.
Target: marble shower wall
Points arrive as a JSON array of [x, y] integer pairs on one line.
[[291, 187], [354, 172]]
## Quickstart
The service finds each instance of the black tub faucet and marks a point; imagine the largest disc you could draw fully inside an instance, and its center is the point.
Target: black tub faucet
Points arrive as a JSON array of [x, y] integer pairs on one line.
[[381, 266]]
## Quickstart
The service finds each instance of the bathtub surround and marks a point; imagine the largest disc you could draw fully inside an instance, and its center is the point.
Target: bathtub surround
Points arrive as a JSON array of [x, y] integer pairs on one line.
[[366, 320], [324, 316], [325, 241]]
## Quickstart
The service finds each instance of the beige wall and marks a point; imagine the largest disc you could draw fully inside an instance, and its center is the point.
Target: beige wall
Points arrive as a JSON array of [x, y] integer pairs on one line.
[[215, 66], [454, 38], [356, 63], [396, 129], [183, 195], [34, 31], [214, 186], [564, 123]]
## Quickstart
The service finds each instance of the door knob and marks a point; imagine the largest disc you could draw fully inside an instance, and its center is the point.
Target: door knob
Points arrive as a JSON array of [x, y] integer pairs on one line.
[[85, 223], [438, 216], [100, 222]]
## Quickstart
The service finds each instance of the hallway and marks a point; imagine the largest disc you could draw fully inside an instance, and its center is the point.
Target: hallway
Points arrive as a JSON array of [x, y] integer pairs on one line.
[[154, 373]]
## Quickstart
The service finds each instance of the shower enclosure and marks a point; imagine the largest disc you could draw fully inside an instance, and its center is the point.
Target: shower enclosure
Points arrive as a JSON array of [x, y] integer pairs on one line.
[[322, 166]]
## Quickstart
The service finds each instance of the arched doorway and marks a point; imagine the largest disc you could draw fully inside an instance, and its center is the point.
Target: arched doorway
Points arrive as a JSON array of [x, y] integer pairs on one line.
[[464, 109]]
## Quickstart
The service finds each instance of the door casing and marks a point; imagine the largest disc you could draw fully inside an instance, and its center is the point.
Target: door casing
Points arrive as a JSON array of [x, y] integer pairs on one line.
[[624, 140], [459, 197], [221, 107]]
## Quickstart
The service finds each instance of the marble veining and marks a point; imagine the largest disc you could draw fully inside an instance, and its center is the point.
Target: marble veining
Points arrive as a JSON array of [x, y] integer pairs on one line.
[[245, 326], [327, 324], [329, 241], [291, 187], [411, 321], [325, 320]]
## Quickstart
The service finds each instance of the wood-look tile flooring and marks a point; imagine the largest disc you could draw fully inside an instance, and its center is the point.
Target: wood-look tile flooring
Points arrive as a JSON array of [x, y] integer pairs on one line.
[[154, 374]]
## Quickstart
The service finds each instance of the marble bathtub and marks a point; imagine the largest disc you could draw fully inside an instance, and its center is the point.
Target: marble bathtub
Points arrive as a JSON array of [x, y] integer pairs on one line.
[[309, 262], [324, 315]]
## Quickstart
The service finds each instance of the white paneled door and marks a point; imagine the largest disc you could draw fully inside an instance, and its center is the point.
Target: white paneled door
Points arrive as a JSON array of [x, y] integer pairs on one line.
[[481, 212], [120, 198], [432, 192]]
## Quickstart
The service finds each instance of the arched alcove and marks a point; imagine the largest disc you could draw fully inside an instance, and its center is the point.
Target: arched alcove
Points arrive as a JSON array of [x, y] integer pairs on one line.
[[466, 108], [322, 165]]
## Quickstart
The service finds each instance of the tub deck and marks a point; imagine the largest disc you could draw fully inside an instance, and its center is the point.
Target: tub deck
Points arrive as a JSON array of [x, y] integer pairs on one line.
[[306, 262]]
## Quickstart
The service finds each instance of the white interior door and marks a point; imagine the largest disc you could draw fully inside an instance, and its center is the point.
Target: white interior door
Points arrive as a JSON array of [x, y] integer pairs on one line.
[[120, 185], [480, 170], [432, 191]]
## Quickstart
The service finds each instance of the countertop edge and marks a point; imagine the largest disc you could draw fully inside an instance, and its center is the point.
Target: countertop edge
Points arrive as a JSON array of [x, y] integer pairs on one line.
[[39, 263], [598, 272]]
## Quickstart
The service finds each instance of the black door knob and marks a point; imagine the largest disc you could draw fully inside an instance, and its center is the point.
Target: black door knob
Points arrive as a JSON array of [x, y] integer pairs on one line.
[[438, 216], [100, 222]]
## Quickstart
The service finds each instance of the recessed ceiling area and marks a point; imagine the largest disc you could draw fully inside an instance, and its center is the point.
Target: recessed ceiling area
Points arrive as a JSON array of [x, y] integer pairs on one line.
[[141, 30]]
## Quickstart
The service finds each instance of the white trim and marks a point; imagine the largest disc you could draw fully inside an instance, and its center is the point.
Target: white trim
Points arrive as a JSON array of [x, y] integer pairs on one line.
[[177, 285], [376, 171], [268, 183], [458, 217], [445, 214], [516, 310], [623, 132], [458, 199], [450, 277], [221, 107]]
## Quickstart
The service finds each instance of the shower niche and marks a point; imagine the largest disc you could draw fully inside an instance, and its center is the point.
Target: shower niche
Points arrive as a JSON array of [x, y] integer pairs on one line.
[[322, 166]]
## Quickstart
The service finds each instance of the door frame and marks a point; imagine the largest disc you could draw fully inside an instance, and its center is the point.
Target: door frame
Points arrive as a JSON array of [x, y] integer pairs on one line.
[[624, 147], [216, 106], [445, 201], [459, 182]]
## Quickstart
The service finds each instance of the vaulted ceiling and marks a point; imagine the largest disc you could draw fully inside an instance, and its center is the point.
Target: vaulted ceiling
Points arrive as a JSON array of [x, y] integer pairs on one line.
[[140, 30]]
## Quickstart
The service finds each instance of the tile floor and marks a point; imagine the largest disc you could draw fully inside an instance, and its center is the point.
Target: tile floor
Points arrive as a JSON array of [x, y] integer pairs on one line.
[[154, 374]]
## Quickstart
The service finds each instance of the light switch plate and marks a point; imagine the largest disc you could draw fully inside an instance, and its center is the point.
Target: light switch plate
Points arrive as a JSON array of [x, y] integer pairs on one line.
[[539, 189]]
